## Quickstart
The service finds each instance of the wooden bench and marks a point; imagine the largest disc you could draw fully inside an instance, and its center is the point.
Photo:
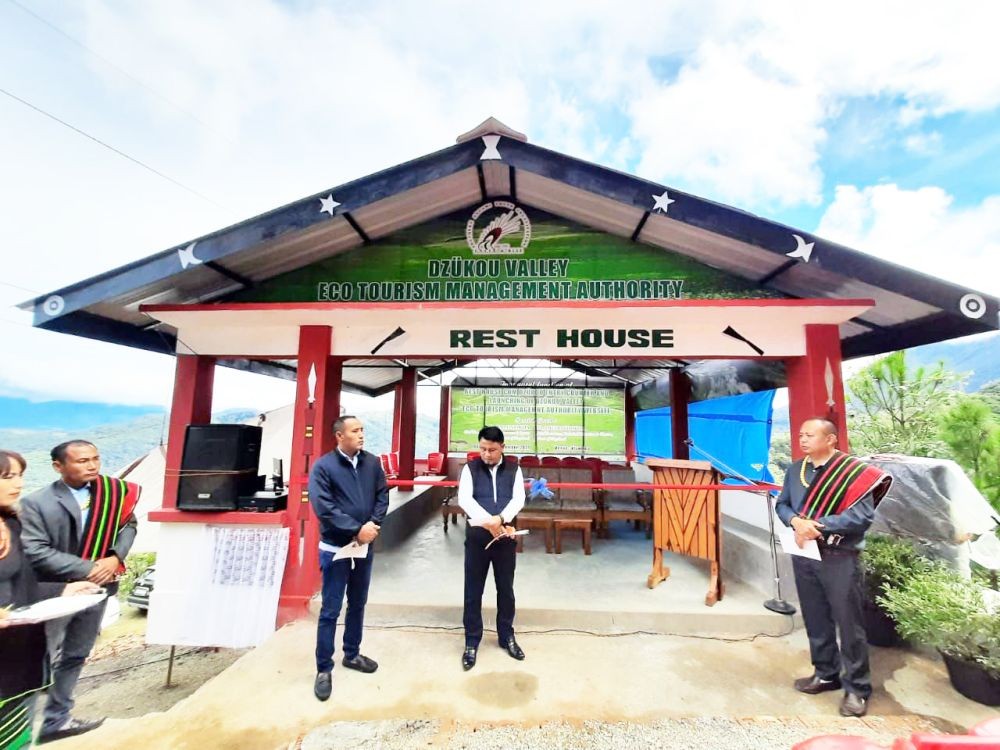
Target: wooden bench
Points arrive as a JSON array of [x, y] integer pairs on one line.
[[529, 521], [572, 524]]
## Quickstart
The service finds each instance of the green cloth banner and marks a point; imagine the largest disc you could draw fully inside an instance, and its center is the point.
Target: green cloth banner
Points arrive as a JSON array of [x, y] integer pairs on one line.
[[541, 421]]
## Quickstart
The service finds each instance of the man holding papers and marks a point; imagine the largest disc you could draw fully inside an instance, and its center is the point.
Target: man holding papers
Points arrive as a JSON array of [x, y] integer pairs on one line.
[[348, 493], [829, 498], [491, 492]]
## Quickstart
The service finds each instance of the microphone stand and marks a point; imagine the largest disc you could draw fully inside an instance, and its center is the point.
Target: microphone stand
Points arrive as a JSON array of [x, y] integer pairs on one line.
[[777, 604]]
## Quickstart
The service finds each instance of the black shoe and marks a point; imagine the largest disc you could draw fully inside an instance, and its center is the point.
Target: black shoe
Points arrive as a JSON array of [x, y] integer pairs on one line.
[[361, 663], [814, 685], [853, 705], [323, 685], [513, 649], [71, 728], [468, 658]]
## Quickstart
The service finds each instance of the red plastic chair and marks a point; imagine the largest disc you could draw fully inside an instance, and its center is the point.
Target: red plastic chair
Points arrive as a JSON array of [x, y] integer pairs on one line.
[[529, 462], [435, 463], [386, 462], [471, 455], [394, 464], [553, 461]]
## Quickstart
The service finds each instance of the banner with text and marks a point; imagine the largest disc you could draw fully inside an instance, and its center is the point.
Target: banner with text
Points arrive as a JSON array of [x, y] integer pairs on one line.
[[541, 421], [500, 252]]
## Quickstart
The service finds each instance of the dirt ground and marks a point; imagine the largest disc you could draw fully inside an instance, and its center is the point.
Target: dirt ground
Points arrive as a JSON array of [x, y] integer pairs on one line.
[[125, 677]]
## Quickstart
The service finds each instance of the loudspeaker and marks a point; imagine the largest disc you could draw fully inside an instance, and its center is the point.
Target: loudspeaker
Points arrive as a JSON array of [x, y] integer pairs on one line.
[[218, 466]]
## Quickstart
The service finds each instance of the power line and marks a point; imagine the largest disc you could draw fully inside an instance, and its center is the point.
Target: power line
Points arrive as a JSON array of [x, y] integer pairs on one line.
[[112, 148], [121, 70]]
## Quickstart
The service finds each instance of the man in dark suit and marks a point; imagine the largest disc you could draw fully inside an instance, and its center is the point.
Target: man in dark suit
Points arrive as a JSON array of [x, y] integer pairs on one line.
[[349, 494], [830, 497], [55, 520], [491, 492]]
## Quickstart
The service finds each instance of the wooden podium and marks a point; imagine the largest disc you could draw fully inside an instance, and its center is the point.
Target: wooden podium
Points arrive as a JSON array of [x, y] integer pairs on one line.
[[686, 521]]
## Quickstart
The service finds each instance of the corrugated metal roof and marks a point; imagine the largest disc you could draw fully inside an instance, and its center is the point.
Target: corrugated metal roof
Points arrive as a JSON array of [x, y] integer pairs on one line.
[[912, 308]]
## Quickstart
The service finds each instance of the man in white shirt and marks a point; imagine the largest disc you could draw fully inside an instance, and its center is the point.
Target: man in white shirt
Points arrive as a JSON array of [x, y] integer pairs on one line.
[[491, 492]]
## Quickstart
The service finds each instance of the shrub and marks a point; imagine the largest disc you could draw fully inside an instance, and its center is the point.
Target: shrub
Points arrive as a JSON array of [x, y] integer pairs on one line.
[[135, 565], [889, 562], [944, 611]]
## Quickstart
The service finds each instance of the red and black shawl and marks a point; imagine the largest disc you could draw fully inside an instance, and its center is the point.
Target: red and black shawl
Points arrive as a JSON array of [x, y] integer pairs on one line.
[[842, 482]]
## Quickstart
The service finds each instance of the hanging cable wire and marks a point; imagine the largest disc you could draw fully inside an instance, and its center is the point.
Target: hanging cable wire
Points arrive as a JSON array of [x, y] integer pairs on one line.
[[112, 148], [118, 68]]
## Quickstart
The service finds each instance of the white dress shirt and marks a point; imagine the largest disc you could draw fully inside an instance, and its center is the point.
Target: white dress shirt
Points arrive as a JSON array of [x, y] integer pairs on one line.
[[478, 515]]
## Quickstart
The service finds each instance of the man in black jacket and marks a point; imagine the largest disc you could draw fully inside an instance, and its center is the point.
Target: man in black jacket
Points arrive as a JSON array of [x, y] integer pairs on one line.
[[348, 493], [491, 492], [830, 589]]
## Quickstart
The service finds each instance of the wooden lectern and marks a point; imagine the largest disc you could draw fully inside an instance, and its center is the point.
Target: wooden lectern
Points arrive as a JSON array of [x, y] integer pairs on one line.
[[686, 521]]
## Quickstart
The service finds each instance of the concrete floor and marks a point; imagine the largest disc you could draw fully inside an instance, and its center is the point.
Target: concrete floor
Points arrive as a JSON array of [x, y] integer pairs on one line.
[[732, 667], [420, 582], [265, 699]]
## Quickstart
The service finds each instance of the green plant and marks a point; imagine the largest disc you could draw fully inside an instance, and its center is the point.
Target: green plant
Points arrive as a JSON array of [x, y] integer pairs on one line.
[[889, 562], [941, 609], [135, 566]]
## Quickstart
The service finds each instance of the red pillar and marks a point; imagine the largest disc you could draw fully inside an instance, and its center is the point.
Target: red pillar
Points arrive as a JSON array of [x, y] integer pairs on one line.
[[815, 384], [444, 420], [317, 406], [680, 394], [194, 377], [407, 414], [396, 416], [630, 452]]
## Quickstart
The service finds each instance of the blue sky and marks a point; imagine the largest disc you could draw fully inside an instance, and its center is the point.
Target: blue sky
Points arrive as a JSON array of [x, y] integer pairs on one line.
[[874, 125]]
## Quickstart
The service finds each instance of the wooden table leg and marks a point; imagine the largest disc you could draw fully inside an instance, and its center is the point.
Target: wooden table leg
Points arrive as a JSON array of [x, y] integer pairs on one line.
[[586, 539], [659, 573]]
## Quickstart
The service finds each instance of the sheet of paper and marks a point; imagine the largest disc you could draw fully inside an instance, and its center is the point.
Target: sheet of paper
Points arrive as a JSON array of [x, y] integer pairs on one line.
[[352, 550], [787, 538]]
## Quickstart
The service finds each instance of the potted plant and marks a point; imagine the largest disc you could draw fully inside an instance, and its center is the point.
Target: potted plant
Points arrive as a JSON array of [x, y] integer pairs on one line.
[[888, 562], [945, 611]]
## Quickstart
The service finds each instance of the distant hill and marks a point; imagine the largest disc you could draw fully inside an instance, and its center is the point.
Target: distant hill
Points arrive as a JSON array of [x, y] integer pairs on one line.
[[979, 355], [120, 442], [130, 437], [65, 415]]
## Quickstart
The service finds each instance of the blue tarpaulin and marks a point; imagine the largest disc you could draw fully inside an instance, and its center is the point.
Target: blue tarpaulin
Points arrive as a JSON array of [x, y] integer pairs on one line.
[[736, 430]]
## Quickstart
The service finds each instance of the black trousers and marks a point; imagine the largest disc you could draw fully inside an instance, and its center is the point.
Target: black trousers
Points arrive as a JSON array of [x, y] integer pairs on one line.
[[830, 593], [503, 556]]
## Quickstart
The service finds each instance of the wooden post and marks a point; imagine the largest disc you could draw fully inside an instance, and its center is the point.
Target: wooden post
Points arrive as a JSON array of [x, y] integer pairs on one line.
[[680, 394], [407, 411], [444, 420], [630, 451]]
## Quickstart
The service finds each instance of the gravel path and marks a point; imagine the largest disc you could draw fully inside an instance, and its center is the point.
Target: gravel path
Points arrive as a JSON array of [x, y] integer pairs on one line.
[[683, 734]]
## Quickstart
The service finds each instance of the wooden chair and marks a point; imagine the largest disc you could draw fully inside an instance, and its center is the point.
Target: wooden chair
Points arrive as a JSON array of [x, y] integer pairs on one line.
[[625, 505]]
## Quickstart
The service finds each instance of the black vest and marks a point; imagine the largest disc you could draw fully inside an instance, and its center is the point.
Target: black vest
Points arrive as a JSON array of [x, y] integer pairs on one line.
[[482, 485]]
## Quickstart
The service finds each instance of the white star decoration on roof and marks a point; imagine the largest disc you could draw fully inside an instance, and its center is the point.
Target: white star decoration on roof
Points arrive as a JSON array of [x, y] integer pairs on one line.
[[491, 152], [328, 204], [662, 202], [802, 249]]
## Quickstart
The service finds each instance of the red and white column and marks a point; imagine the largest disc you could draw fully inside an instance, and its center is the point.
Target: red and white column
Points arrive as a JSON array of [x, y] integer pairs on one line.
[[815, 384], [317, 407], [194, 379]]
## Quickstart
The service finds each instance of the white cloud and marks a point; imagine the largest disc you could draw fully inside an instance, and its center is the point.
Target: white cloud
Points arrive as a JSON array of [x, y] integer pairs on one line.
[[920, 229], [298, 97], [923, 144]]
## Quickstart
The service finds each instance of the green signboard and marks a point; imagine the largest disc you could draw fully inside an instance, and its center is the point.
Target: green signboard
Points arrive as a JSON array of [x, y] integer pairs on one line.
[[501, 251], [541, 421]]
